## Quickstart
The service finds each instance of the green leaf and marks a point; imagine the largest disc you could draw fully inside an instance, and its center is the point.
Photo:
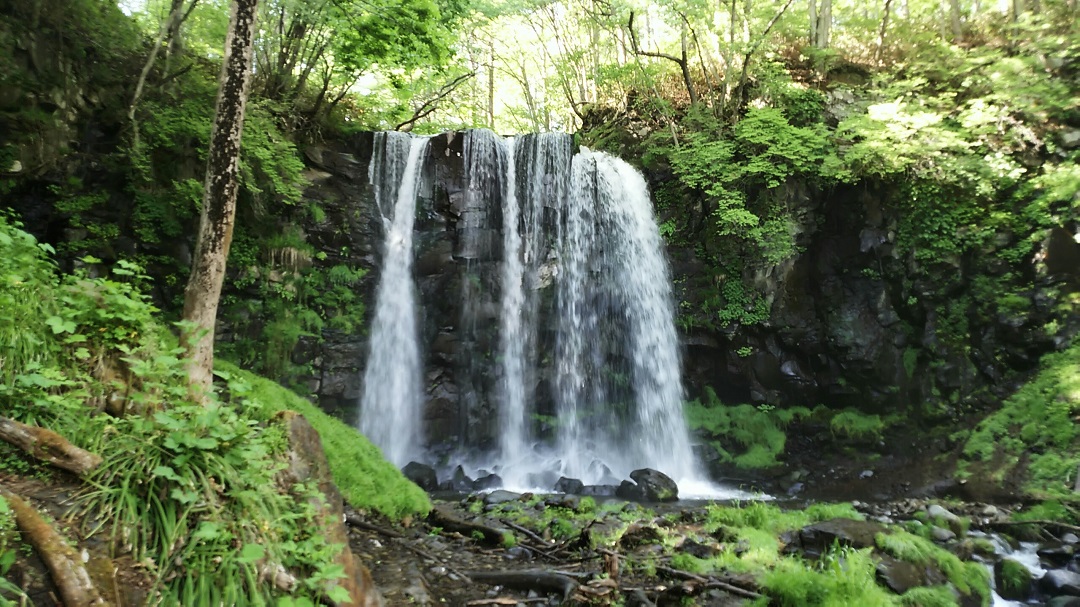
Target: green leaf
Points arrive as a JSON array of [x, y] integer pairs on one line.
[[251, 553], [183, 496], [59, 325], [338, 595], [207, 530], [167, 472]]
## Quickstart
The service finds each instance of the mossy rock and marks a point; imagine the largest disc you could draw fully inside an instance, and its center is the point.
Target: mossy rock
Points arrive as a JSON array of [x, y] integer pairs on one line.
[[1012, 579]]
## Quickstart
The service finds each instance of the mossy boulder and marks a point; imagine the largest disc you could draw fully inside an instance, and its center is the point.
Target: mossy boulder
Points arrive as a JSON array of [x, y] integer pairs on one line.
[[1012, 579]]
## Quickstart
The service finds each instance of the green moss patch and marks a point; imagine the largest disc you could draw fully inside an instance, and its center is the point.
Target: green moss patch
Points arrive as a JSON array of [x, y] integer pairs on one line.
[[365, 479]]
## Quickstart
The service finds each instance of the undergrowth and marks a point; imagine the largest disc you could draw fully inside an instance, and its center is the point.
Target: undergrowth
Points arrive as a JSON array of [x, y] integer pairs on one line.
[[193, 492], [365, 479], [1034, 431]]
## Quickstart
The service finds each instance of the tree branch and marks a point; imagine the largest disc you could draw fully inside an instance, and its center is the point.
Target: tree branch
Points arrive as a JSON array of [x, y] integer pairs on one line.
[[432, 104]]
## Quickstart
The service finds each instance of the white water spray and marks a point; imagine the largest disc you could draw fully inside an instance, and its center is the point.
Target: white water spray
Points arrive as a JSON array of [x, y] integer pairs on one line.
[[391, 404]]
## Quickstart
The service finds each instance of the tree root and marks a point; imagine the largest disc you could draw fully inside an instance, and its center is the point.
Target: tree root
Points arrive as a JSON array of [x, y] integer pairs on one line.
[[541, 581], [48, 446], [64, 563]]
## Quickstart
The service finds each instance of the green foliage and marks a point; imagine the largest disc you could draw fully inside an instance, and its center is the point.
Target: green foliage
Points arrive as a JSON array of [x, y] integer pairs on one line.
[[1034, 425], [8, 546], [759, 431], [841, 577], [295, 300], [1015, 577], [739, 177], [929, 596], [366, 480], [27, 281], [191, 490], [970, 579], [855, 424]]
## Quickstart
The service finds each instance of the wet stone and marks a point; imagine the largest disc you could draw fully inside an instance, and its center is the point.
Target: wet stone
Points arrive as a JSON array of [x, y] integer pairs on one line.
[[1060, 581], [421, 474]]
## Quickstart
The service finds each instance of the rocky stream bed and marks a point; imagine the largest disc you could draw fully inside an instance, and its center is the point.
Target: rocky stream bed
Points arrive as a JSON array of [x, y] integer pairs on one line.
[[505, 548]]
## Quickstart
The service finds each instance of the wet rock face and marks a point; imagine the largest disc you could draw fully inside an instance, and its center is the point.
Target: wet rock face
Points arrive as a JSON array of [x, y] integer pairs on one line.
[[851, 320], [855, 320]]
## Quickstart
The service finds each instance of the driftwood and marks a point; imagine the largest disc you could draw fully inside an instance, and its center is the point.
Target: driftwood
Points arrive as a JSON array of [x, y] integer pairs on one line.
[[48, 446], [64, 563], [444, 518], [541, 581]]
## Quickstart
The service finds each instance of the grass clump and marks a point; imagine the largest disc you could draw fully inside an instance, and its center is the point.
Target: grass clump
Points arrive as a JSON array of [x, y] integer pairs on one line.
[[746, 435], [1034, 427], [1015, 578], [929, 596], [365, 479], [968, 578], [841, 578], [856, 425]]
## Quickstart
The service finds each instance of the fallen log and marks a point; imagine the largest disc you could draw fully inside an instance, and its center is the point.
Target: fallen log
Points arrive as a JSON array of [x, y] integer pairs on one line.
[[441, 516], [64, 563], [541, 581], [48, 446]]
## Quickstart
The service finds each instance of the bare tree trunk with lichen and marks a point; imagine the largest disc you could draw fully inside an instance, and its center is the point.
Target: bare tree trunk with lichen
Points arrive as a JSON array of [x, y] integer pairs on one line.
[[219, 199]]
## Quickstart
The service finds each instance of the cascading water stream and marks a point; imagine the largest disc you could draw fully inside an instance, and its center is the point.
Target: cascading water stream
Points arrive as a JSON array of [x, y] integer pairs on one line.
[[566, 352], [617, 367], [513, 339], [391, 403]]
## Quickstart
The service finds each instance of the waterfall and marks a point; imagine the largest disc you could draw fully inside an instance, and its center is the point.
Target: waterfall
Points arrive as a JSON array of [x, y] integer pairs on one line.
[[542, 162], [391, 404], [617, 369], [565, 357]]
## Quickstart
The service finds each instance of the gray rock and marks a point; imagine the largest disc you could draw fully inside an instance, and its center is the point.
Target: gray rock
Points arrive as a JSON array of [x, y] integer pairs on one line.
[[1064, 601], [461, 481], [630, 491], [488, 482], [1070, 538], [569, 485], [818, 538], [1060, 581], [941, 515], [599, 490], [421, 474], [500, 496], [899, 576], [1056, 554], [1070, 139], [940, 534], [655, 485]]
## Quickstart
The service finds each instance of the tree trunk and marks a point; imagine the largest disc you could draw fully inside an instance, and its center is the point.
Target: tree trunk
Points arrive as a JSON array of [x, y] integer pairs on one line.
[[954, 20], [883, 30], [813, 21], [824, 28], [491, 84], [219, 198]]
